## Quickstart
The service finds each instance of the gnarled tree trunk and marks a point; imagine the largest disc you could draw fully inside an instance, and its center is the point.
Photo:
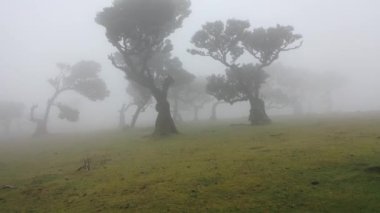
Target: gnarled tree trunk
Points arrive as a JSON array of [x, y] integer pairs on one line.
[[164, 123], [257, 113]]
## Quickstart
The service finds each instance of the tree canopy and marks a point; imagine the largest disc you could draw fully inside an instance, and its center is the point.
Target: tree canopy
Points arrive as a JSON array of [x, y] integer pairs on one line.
[[226, 43], [82, 78]]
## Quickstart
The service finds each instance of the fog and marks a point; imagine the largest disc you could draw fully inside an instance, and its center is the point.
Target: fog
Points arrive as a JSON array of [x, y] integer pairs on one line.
[[339, 36]]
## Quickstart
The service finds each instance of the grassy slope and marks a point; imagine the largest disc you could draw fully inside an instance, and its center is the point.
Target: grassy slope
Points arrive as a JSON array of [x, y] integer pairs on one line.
[[209, 168]]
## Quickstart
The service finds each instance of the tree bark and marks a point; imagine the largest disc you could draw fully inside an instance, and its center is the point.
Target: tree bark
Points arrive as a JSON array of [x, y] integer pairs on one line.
[[257, 113], [164, 122]]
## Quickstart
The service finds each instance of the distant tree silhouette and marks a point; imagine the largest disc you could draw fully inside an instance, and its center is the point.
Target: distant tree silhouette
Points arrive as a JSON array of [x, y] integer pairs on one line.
[[182, 80], [275, 98], [141, 99], [194, 95], [214, 108], [226, 43], [303, 86], [124, 108], [139, 30], [81, 78]]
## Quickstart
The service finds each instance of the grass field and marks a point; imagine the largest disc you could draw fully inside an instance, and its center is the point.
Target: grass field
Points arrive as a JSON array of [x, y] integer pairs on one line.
[[305, 165]]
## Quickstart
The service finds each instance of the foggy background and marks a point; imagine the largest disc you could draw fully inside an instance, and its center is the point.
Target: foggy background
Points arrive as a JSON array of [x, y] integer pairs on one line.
[[339, 36]]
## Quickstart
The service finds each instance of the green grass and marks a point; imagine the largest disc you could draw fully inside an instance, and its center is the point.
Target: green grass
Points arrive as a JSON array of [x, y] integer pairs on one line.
[[207, 168]]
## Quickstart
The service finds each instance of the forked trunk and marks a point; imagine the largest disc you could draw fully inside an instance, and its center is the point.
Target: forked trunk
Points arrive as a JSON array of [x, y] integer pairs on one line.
[[164, 122]]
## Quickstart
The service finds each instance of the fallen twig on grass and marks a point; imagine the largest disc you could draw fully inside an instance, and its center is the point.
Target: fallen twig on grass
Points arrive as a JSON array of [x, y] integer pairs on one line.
[[7, 187], [86, 165]]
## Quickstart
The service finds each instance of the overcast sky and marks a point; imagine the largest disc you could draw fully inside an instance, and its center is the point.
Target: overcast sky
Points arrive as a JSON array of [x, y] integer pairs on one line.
[[340, 35]]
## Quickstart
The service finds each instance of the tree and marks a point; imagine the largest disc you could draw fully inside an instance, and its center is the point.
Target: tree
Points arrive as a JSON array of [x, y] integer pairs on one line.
[[182, 81], [275, 98], [265, 45], [139, 30], [124, 108], [226, 43], [195, 96], [302, 86], [330, 81], [81, 78], [141, 99], [214, 107], [10, 111], [294, 84]]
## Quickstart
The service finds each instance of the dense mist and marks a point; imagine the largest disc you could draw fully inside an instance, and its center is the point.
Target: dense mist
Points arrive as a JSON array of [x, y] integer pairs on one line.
[[340, 38], [189, 106]]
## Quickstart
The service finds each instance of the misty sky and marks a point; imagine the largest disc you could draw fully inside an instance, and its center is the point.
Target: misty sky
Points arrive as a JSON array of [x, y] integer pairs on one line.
[[341, 36]]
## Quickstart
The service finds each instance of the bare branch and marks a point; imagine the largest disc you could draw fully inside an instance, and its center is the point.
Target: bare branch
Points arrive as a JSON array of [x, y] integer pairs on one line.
[[293, 48]]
